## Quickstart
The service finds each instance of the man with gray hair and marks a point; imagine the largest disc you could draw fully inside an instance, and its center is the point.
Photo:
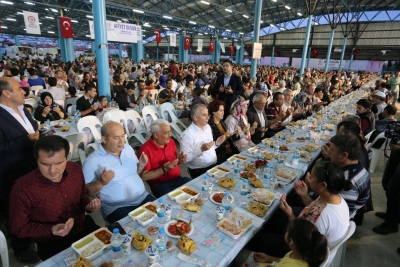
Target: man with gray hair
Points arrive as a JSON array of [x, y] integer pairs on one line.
[[112, 172], [162, 171], [198, 144], [282, 87]]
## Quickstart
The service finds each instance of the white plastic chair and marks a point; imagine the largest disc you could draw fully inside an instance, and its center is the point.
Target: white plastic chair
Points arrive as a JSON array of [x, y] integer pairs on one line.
[[376, 152], [60, 102], [120, 117], [71, 101], [31, 102], [206, 86], [91, 122], [76, 153], [325, 262], [3, 250], [180, 90], [152, 112], [368, 136], [154, 93], [71, 110], [168, 107], [36, 88], [140, 130], [340, 249]]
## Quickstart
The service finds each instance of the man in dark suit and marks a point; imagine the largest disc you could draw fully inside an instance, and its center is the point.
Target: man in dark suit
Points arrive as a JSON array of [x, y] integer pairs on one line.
[[257, 114], [228, 86], [18, 132], [126, 99], [85, 104]]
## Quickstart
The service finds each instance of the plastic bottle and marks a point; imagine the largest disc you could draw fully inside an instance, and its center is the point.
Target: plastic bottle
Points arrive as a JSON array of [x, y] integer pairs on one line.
[[116, 105], [47, 124], [296, 157], [237, 164], [244, 189], [168, 212], [161, 243], [281, 157], [276, 145], [226, 203], [160, 213], [308, 136], [116, 243], [204, 188], [318, 128], [236, 171]]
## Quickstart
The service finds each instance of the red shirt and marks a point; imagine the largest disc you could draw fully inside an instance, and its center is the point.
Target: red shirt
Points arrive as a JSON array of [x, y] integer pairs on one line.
[[272, 111], [157, 157], [37, 204], [173, 69]]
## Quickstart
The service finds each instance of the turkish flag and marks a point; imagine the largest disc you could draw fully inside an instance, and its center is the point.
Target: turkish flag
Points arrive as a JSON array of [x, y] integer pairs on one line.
[[187, 42], [231, 48], [276, 50], [356, 51], [158, 35], [212, 46], [314, 53], [66, 27]]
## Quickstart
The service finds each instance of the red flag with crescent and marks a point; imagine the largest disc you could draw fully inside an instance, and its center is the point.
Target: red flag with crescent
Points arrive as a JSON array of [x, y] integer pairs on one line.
[[212, 46], [187, 42], [158, 35], [66, 27], [231, 48]]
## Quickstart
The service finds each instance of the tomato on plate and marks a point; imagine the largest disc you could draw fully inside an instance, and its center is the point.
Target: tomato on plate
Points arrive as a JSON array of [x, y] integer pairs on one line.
[[179, 228], [173, 230], [217, 197]]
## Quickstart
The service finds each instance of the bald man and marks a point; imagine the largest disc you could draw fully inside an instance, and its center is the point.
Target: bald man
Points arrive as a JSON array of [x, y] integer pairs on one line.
[[112, 172]]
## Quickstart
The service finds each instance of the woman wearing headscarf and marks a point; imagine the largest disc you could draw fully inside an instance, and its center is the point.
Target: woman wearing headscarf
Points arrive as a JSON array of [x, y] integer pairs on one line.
[[239, 126], [76, 82], [48, 109], [300, 99]]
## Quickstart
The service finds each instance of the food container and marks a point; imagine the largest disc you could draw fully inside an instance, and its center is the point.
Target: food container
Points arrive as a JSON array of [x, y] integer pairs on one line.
[[253, 150], [180, 197], [174, 194], [235, 158], [285, 175], [101, 234], [84, 245], [218, 171], [142, 216], [126, 245], [257, 208], [152, 252], [264, 196], [235, 224], [190, 191], [150, 206]]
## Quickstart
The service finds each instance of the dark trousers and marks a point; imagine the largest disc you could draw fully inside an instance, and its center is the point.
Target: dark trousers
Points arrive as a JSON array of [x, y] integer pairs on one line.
[[393, 198], [164, 188], [49, 249], [120, 213], [194, 173]]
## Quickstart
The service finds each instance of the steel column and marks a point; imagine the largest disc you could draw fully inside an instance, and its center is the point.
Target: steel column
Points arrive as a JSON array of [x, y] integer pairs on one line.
[[351, 58], [272, 56], [256, 32], [241, 57], [93, 47], [305, 46], [308, 57], [120, 51], [217, 51], [69, 49], [16, 40], [328, 55], [342, 54]]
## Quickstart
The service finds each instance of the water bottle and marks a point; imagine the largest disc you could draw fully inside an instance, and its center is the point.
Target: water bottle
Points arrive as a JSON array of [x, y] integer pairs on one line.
[[204, 188], [268, 172], [47, 124], [168, 212], [161, 244], [237, 164], [236, 172], [308, 136], [318, 128], [276, 145], [244, 189], [281, 157], [116, 105], [226, 203], [296, 157], [116, 243], [160, 213]]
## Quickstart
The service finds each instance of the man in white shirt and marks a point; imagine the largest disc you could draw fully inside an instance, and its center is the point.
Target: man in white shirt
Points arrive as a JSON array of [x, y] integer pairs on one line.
[[197, 142], [282, 86], [379, 101], [57, 92], [60, 82]]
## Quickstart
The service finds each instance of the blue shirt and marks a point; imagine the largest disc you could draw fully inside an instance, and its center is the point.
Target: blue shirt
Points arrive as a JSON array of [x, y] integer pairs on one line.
[[126, 188], [227, 80]]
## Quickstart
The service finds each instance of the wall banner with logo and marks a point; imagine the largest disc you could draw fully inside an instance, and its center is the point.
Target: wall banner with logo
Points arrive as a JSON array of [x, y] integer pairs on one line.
[[118, 31], [31, 22]]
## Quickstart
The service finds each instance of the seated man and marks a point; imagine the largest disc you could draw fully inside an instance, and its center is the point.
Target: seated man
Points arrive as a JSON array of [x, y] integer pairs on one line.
[[126, 99], [379, 101], [387, 116], [48, 205], [275, 112], [344, 150], [112, 172], [162, 171], [197, 142], [363, 110], [167, 94], [85, 103], [56, 91], [257, 114]]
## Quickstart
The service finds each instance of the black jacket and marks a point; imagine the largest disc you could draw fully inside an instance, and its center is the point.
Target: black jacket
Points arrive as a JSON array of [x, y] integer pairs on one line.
[[122, 99], [238, 90], [221, 150], [252, 116]]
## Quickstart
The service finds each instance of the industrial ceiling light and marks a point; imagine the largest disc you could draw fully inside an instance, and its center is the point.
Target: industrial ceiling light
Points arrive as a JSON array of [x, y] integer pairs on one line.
[[192, 22], [298, 13], [89, 16], [228, 10], [11, 19], [29, 3], [138, 11], [7, 3], [287, 7], [211, 26], [167, 17], [245, 16], [205, 2], [228, 30]]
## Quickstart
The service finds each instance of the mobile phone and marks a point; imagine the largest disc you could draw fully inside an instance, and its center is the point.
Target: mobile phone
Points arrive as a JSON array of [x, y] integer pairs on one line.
[[112, 226]]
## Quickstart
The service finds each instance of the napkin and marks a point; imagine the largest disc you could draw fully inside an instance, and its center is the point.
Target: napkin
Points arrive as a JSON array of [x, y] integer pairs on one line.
[[196, 261]]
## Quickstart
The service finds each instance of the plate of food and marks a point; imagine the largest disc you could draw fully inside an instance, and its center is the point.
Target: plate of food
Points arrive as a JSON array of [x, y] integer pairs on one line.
[[257, 208], [104, 236], [284, 148], [227, 183], [311, 147], [217, 197], [65, 128], [218, 171], [140, 241], [264, 196], [250, 167], [186, 244], [193, 207], [267, 140], [255, 182], [88, 247], [176, 228], [235, 224], [305, 156], [330, 127], [233, 160], [247, 175], [143, 216], [190, 191], [325, 137], [253, 150], [268, 156], [285, 175], [300, 139], [151, 207]]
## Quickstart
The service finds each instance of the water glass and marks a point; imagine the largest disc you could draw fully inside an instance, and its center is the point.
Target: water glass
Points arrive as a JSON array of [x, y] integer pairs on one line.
[[272, 183]]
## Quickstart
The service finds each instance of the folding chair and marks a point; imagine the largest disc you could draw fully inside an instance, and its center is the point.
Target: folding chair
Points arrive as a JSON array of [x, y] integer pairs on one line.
[[91, 122]]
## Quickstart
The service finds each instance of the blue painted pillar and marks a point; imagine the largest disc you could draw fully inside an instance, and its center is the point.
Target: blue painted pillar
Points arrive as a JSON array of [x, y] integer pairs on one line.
[[190, 57], [217, 51], [134, 52], [140, 48], [185, 53], [69, 49], [93, 47], [272, 56], [99, 19], [342, 54], [241, 53], [305, 47], [168, 50], [157, 50], [120, 51], [237, 55], [16, 40], [351, 58], [308, 57], [213, 53], [328, 55], [61, 43], [180, 48], [256, 31]]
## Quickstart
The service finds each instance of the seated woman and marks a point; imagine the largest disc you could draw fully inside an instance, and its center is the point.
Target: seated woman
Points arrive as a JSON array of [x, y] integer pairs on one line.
[[239, 126], [308, 248], [76, 83], [218, 128], [329, 212], [48, 109]]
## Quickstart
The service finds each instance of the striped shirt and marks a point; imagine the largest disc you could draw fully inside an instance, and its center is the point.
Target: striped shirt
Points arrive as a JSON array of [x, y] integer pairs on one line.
[[359, 194]]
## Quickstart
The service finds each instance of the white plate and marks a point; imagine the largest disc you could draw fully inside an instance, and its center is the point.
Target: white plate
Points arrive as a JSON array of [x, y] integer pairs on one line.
[[177, 236], [247, 171], [212, 200]]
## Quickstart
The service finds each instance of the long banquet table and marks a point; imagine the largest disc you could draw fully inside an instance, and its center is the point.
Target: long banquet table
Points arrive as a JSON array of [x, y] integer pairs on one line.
[[213, 245]]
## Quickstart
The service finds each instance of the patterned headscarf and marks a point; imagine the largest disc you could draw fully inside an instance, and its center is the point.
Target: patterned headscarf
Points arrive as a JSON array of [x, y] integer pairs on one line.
[[299, 99]]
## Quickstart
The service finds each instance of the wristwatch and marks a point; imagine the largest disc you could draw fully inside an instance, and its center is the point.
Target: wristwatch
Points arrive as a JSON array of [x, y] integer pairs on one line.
[[163, 170]]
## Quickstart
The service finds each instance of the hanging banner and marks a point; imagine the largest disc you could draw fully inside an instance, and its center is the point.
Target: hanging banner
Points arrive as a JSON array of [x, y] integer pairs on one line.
[[118, 31], [139, 32], [66, 27], [212, 46], [172, 39], [187, 42], [31, 22], [199, 45], [158, 35], [232, 50], [222, 47], [257, 50]]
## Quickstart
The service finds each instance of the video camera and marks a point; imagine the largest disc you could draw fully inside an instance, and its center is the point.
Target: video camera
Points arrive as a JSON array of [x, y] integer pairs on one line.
[[393, 131]]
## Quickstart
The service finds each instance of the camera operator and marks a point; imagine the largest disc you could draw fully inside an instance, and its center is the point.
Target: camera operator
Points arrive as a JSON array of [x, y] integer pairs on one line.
[[391, 184]]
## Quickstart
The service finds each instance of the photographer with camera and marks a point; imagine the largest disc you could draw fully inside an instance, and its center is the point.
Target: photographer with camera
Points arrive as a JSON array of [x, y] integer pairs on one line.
[[391, 184]]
